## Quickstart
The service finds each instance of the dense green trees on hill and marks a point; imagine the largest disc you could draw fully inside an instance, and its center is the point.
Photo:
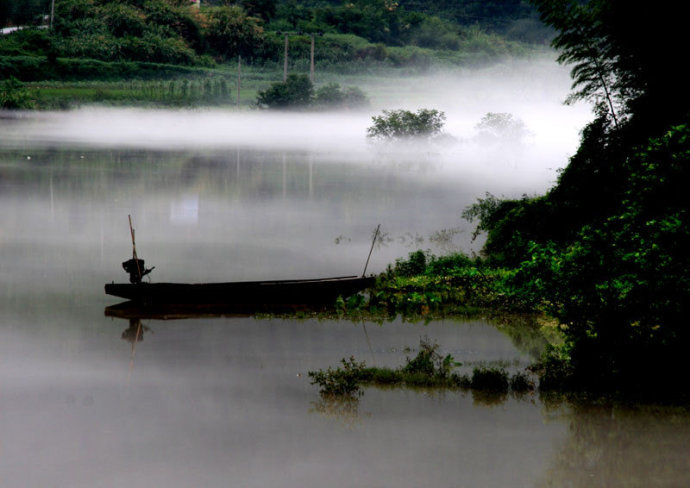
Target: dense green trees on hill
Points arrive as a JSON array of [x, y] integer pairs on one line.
[[175, 32], [22, 12]]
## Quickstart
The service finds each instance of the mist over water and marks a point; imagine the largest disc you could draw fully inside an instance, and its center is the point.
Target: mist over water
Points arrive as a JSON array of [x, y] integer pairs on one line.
[[531, 91], [220, 195]]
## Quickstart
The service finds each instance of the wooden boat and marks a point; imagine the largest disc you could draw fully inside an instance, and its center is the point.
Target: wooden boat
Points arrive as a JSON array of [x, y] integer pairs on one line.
[[323, 291], [239, 295]]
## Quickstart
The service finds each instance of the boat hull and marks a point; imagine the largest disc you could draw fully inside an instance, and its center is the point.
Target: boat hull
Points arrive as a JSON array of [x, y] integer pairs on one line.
[[285, 292]]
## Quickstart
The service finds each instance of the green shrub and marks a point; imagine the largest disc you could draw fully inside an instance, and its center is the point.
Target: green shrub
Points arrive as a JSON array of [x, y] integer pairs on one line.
[[329, 95], [415, 264], [354, 97], [343, 381], [429, 363], [501, 127], [231, 33], [404, 124], [450, 264], [14, 95], [295, 92]]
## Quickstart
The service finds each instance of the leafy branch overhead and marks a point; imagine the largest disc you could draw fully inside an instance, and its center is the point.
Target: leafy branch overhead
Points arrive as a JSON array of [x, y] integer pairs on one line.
[[584, 44]]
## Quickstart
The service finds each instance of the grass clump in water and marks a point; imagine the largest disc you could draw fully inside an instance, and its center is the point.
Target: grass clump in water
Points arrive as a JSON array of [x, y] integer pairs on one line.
[[490, 379], [343, 381], [427, 369]]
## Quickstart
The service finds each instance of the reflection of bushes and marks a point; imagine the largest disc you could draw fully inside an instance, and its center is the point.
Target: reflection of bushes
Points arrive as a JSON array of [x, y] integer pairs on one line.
[[490, 379], [343, 407], [611, 444]]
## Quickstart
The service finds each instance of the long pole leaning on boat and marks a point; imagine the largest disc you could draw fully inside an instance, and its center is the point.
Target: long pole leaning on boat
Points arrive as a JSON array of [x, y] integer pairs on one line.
[[376, 234], [134, 247]]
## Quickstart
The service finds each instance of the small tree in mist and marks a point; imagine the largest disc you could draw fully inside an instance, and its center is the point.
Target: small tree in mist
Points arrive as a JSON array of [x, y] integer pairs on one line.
[[333, 96], [296, 91], [503, 127], [404, 124]]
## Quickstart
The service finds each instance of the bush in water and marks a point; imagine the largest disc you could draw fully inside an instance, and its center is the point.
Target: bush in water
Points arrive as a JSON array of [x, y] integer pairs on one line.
[[404, 124]]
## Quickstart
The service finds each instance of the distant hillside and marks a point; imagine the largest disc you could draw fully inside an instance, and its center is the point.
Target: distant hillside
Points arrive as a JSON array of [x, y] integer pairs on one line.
[[352, 34]]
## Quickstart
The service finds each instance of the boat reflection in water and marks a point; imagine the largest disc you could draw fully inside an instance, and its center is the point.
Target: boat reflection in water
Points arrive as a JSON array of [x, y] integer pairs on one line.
[[135, 332], [135, 312]]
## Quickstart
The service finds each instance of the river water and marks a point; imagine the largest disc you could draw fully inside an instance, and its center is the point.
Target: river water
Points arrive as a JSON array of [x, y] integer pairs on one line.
[[226, 401]]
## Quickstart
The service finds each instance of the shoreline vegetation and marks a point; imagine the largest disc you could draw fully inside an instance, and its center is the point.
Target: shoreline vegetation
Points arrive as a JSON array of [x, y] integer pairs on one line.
[[152, 85]]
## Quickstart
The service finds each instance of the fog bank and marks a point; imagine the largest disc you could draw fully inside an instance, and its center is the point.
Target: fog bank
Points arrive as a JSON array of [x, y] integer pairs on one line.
[[532, 91]]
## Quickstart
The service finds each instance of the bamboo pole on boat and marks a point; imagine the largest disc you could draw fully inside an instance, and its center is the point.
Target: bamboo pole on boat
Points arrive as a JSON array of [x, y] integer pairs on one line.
[[134, 247], [376, 234]]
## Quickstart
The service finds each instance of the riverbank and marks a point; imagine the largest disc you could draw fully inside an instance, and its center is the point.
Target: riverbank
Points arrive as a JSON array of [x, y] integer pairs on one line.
[[425, 288], [232, 86]]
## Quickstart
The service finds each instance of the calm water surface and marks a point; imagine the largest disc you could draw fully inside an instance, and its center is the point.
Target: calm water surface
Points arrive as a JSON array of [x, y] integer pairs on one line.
[[226, 401]]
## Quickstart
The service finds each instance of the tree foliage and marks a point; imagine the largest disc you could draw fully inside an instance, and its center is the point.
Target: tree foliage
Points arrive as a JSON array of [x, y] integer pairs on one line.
[[23, 12], [333, 96], [501, 126], [154, 31], [405, 124], [622, 286], [295, 91], [623, 55], [230, 32], [14, 95], [583, 42], [605, 250], [359, 32]]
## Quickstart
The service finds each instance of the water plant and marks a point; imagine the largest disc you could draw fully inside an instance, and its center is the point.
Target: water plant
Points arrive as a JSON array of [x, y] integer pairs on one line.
[[343, 381], [429, 362], [428, 368]]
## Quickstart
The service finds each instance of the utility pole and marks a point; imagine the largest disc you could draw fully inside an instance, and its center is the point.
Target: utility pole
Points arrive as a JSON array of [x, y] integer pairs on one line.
[[285, 54], [311, 64], [52, 13], [239, 78], [285, 59]]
